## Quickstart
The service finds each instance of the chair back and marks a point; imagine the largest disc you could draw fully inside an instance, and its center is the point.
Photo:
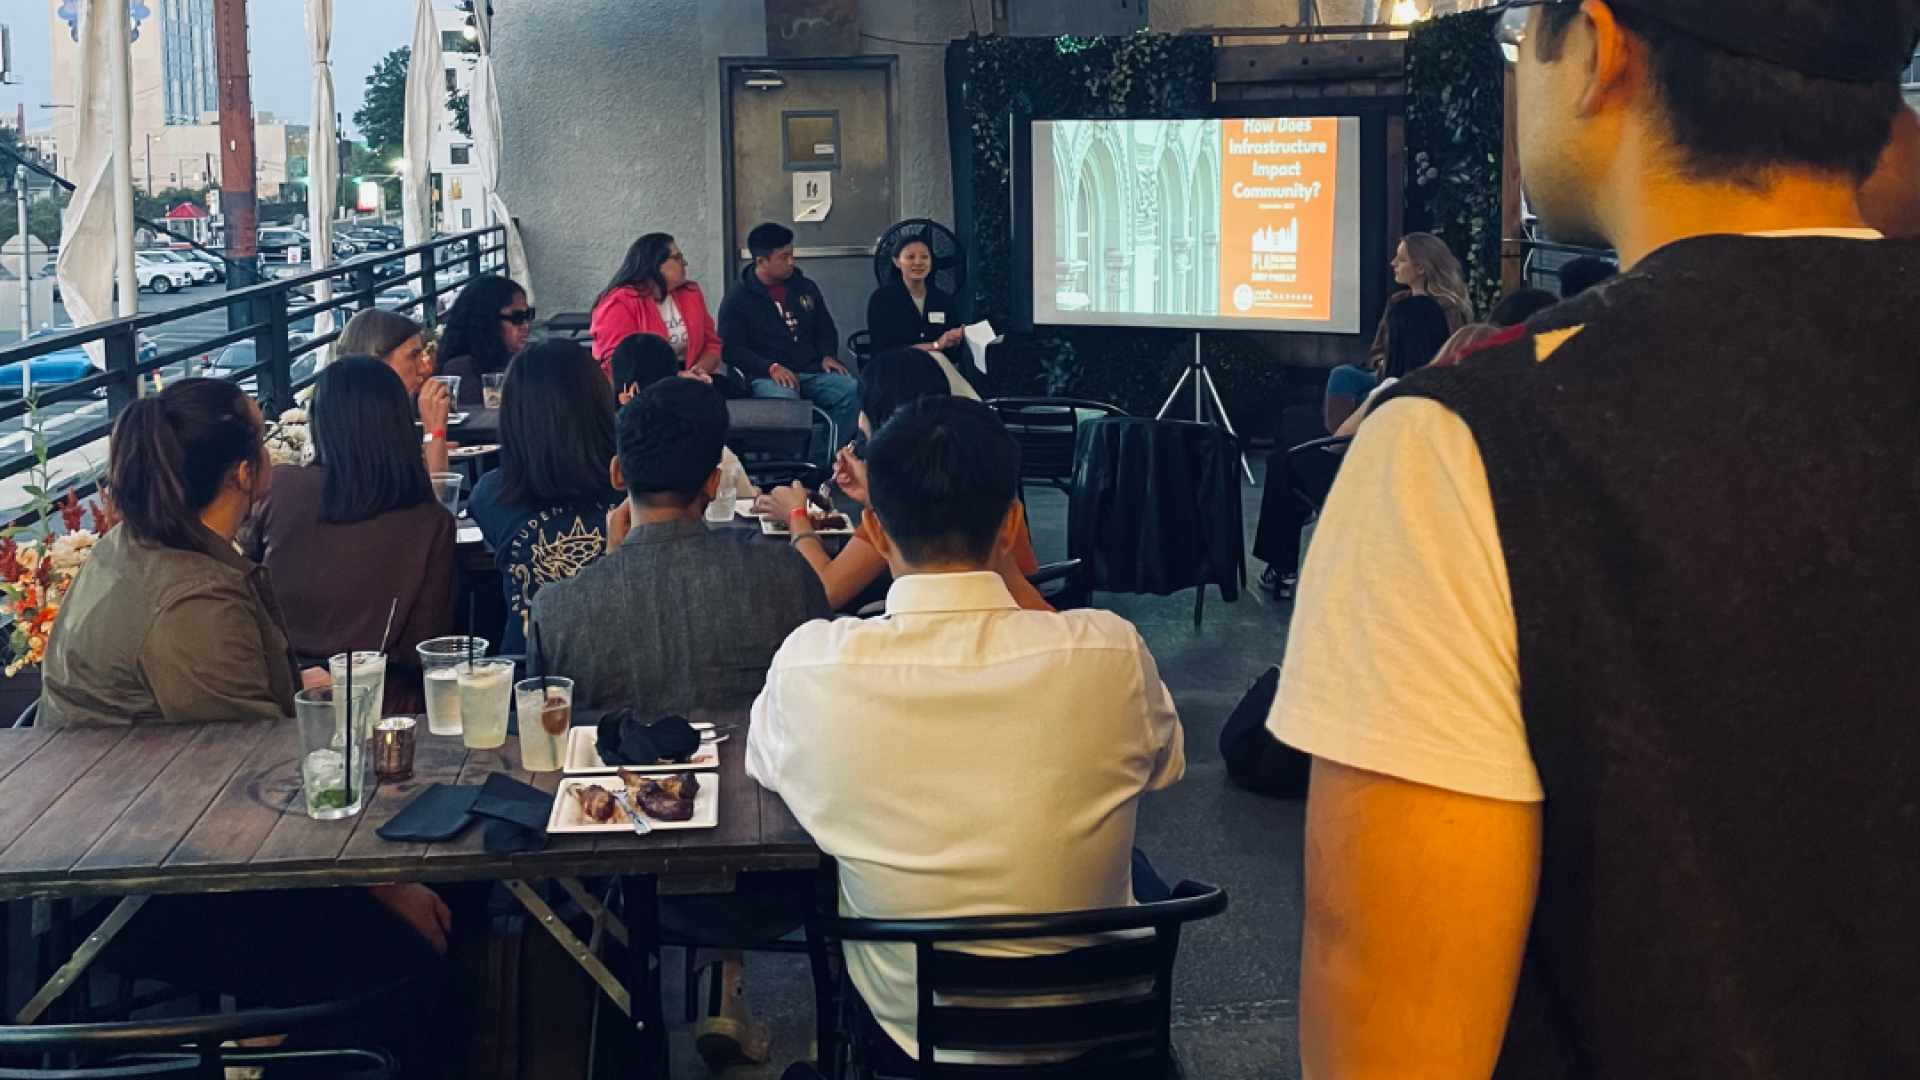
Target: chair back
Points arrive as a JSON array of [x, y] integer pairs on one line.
[[202, 1046], [1311, 499], [860, 347], [773, 437], [1048, 431], [1110, 1006]]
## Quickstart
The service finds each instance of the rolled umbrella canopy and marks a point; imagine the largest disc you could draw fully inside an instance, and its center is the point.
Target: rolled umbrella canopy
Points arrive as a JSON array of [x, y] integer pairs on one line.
[[323, 154], [487, 142], [426, 93], [91, 227]]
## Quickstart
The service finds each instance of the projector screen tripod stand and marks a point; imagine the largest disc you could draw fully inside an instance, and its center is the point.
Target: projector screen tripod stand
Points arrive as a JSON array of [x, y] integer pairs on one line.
[[1203, 389]]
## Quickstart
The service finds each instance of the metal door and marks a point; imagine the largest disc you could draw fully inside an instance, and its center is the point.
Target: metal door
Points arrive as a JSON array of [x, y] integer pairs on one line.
[[810, 145]]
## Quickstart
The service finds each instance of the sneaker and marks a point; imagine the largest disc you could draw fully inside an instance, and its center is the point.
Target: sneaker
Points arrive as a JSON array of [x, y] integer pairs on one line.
[[724, 1040]]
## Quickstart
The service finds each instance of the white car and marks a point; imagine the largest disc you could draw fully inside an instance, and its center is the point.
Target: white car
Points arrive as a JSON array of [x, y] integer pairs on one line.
[[202, 273], [159, 275]]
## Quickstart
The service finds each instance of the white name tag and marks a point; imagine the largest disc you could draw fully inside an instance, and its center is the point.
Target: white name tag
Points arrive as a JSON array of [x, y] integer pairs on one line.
[[939, 317]]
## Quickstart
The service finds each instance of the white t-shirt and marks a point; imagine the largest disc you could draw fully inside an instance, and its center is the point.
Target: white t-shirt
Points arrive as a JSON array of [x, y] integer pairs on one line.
[[1403, 658], [676, 326], [964, 757]]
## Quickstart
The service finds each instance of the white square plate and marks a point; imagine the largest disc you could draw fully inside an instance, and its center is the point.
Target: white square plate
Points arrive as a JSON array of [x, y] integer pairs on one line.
[[473, 451], [583, 755], [567, 817], [779, 528]]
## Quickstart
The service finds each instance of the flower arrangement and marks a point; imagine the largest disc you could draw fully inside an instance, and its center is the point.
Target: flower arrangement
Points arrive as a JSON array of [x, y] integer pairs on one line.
[[288, 442], [36, 573]]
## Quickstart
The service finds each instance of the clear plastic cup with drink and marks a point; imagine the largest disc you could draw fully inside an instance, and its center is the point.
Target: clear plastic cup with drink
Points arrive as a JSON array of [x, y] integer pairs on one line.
[[720, 510], [438, 658], [446, 488], [369, 668], [486, 695], [490, 386], [336, 769], [545, 708]]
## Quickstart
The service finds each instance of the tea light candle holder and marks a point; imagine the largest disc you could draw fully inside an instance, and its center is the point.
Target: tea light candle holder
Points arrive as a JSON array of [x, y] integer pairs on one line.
[[393, 740]]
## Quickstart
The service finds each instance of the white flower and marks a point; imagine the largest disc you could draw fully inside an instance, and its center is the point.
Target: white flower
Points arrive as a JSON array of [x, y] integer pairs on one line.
[[294, 416], [69, 552]]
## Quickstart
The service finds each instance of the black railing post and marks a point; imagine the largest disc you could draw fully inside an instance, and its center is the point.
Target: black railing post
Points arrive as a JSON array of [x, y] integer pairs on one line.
[[276, 379], [473, 258], [123, 359], [363, 286], [430, 286]]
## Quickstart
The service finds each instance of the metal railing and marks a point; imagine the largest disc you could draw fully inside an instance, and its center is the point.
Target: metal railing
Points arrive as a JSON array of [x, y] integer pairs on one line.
[[267, 312]]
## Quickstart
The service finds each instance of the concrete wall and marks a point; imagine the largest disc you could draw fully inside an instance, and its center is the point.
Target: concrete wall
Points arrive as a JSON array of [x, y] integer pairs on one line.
[[612, 118]]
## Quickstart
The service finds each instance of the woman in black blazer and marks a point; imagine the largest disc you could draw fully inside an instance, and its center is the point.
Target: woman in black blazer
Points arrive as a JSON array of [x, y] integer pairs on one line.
[[910, 312]]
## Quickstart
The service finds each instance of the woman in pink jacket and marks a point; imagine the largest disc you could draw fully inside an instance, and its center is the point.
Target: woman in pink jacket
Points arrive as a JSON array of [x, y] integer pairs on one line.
[[651, 295]]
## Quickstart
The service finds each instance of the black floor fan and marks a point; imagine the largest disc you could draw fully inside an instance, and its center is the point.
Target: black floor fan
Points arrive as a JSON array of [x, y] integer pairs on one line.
[[949, 258]]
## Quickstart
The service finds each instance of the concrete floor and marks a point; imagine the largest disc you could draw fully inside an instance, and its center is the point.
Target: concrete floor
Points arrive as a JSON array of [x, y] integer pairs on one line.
[[1236, 1015]]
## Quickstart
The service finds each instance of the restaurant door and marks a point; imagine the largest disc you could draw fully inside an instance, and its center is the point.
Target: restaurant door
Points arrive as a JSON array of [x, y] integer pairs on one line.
[[809, 144]]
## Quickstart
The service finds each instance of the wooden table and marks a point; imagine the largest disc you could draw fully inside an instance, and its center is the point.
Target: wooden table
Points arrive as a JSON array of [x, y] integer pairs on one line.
[[186, 808]]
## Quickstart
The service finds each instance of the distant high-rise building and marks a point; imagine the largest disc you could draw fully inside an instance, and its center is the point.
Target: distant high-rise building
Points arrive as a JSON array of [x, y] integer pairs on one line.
[[191, 85]]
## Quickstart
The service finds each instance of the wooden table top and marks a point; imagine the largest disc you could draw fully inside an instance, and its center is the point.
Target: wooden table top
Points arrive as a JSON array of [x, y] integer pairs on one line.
[[171, 808]]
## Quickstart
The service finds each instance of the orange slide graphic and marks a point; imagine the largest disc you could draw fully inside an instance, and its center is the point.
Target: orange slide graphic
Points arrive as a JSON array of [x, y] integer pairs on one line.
[[1276, 217]]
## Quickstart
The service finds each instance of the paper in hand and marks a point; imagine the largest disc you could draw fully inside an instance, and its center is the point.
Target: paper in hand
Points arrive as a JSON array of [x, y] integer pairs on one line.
[[979, 336]]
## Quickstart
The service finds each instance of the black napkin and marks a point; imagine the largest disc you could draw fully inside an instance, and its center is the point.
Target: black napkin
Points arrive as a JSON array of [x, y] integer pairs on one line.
[[438, 813], [624, 740], [516, 814]]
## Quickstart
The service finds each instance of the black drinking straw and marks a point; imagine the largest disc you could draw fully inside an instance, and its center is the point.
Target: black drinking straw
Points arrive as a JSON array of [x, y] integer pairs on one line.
[[352, 727]]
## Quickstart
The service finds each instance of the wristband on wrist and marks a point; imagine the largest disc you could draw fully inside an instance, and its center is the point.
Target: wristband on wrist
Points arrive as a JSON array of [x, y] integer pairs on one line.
[[439, 434], [796, 512]]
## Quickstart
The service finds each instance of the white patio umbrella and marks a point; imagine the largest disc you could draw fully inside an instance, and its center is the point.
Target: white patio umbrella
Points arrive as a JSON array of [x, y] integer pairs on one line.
[[96, 231], [323, 153], [487, 141], [426, 93]]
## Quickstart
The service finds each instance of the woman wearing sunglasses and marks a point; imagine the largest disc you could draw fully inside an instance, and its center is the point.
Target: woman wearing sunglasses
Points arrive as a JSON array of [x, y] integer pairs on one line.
[[482, 331]]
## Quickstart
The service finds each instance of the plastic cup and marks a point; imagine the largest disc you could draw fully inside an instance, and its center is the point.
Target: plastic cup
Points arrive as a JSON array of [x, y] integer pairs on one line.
[[368, 667], [438, 657], [490, 387], [486, 694], [452, 383], [446, 488], [336, 771], [545, 707]]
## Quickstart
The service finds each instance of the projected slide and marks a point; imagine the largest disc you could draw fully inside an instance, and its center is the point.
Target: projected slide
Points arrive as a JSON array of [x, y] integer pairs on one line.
[[1249, 224]]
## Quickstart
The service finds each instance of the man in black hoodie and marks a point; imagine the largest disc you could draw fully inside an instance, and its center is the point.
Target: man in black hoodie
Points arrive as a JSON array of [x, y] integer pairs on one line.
[[777, 332]]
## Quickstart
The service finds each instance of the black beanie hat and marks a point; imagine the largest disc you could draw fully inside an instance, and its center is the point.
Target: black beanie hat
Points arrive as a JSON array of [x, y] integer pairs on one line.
[[1843, 40]]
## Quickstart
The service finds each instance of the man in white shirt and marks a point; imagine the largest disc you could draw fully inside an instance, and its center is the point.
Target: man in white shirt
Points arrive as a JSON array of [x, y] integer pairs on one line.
[[961, 756]]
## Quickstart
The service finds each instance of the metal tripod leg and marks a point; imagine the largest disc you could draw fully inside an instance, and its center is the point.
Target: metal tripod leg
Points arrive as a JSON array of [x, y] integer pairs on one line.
[[1227, 422], [582, 955]]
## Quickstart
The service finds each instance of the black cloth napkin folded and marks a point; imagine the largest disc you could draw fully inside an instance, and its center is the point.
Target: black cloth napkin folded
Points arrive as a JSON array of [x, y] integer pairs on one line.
[[625, 740], [516, 815], [438, 813]]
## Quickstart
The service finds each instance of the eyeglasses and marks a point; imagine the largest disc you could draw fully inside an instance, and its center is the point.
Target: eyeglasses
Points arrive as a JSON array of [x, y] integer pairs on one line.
[[1511, 32], [518, 318]]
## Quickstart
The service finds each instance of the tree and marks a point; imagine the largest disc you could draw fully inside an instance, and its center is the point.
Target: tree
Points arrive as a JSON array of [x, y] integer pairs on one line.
[[382, 118]]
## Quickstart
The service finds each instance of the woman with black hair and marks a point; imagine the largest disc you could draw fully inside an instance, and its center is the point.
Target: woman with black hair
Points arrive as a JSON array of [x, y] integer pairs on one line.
[[888, 382], [168, 623], [544, 510], [359, 532], [482, 332], [911, 312], [650, 294]]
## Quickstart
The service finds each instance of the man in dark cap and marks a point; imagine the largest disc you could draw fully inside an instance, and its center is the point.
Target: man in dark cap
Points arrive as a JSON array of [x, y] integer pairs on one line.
[[1603, 649]]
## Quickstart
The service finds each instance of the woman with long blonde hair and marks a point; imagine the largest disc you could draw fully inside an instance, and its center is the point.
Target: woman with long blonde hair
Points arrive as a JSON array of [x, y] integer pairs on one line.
[[1426, 266]]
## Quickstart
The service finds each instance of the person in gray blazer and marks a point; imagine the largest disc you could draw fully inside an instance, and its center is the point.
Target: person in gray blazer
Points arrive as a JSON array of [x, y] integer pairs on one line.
[[678, 617]]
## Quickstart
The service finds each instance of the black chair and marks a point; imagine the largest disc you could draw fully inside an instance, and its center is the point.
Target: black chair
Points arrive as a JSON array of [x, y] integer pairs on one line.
[[860, 347], [28, 715], [1312, 480], [1119, 996], [195, 1046], [773, 437], [1048, 431]]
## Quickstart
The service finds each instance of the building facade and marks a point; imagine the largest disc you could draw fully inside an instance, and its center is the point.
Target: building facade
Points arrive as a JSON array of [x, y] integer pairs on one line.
[[456, 176], [190, 80], [175, 81]]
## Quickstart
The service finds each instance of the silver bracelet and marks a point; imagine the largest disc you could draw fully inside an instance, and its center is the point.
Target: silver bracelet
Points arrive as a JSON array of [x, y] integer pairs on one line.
[[794, 540]]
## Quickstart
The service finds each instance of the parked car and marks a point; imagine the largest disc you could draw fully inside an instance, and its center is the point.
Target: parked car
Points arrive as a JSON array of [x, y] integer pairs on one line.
[[370, 240], [242, 355], [207, 258], [160, 275], [277, 243], [62, 366], [201, 272]]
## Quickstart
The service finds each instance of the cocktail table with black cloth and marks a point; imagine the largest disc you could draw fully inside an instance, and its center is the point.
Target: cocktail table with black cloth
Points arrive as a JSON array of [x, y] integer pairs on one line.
[[197, 808]]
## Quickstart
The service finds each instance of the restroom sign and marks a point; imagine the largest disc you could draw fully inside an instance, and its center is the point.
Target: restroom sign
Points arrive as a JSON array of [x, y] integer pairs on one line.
[[812, 195]]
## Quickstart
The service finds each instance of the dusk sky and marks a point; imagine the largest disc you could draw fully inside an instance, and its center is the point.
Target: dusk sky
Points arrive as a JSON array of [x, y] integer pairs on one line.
[[363, 32]]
